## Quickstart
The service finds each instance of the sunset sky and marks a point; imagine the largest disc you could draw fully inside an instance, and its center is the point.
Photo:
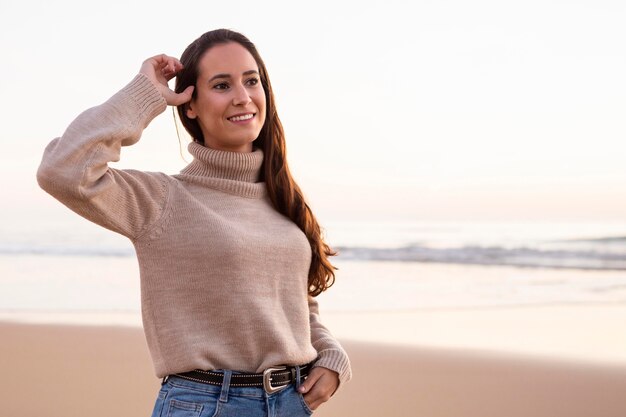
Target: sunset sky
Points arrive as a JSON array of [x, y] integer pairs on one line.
[[421, 111]]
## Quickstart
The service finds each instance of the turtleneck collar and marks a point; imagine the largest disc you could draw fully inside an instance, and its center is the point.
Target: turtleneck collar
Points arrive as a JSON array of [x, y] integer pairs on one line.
[[233, 172]]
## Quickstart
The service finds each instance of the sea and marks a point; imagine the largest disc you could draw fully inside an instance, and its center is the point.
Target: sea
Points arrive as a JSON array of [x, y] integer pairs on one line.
[[80, 273]]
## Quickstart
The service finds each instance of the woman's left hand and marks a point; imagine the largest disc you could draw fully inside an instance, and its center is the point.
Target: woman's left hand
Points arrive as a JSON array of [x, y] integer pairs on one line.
[[319, 386]]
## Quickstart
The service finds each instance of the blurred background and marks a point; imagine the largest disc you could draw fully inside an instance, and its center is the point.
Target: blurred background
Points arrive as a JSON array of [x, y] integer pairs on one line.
[[458, 154]]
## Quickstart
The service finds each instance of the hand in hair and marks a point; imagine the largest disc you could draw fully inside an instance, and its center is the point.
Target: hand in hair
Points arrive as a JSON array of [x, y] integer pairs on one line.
[[160, 69]]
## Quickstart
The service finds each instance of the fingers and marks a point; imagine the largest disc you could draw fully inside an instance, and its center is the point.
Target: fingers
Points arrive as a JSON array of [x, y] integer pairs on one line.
[[161, 66], [174, 99], [319, 386], [169, 66], [160, 69]]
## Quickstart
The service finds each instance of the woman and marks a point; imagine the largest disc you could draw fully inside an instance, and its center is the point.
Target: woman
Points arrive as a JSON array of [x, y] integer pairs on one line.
[[230, 255]]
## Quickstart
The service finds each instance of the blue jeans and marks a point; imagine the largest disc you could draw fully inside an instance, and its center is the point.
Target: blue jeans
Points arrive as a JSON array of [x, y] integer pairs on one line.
[[180, 397]]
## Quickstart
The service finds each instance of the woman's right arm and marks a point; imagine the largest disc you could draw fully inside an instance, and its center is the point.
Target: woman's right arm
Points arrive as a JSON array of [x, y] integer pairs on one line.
[[75, 170]]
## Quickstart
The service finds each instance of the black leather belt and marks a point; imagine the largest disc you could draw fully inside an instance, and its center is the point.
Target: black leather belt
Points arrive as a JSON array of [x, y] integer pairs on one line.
[[272, 379]]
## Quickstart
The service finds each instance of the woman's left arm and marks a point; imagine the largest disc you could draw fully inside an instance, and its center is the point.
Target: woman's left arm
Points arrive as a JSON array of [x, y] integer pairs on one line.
[[332, 366]]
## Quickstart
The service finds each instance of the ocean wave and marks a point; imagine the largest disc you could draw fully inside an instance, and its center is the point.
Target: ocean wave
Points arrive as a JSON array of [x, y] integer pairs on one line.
[[57, 250], [492, 255], [608, 240], [598, 254]]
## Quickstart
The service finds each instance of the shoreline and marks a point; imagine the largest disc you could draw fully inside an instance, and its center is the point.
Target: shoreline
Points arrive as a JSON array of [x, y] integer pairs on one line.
[[585, 333]]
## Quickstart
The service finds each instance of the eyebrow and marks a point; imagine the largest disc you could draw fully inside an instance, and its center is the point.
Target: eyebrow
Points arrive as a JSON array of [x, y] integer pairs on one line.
[[229, 76]]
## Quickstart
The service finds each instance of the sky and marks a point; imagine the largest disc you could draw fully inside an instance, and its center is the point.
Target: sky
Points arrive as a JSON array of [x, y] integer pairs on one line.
[[443, 110]]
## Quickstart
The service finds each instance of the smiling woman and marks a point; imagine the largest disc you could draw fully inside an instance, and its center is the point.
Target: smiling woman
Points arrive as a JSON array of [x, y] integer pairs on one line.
[[230, 255], [228, 107]]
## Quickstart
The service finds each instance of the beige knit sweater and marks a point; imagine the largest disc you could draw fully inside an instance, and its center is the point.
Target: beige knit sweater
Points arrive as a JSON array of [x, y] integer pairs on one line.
[[223, 274]]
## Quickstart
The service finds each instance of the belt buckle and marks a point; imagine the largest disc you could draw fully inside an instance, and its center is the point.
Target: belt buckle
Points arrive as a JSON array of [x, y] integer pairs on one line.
[[267, 380]]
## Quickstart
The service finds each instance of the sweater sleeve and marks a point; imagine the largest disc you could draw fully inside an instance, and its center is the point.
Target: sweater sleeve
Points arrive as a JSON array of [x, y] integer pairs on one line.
[[330, 354], [75, 170]]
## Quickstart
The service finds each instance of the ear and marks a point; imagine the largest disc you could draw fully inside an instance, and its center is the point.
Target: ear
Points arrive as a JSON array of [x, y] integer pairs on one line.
[[189, 111]]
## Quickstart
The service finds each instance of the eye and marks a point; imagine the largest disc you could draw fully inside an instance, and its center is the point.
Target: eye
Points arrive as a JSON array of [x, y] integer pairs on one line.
[[252, 81], [221, 86]]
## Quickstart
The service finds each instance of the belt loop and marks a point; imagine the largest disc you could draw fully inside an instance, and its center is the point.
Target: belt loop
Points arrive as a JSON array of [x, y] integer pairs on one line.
[[225, 386], [297, 376], [165, 378]]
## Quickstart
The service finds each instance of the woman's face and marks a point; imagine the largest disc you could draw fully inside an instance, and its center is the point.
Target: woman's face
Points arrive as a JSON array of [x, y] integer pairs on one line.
[[230, 100]]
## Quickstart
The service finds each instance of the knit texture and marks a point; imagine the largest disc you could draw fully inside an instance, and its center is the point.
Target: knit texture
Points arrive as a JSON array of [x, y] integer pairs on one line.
[[223, 274]]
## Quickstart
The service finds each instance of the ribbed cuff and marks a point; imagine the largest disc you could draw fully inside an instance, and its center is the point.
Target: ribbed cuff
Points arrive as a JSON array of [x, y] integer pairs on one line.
[[335, 360], [149, 100]]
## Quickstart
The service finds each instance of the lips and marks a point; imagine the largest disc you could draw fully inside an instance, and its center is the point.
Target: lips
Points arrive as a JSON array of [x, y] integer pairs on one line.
[[241, 117]]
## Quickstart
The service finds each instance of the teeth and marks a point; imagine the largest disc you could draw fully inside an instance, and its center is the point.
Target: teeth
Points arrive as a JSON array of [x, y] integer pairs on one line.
[[240, 118]]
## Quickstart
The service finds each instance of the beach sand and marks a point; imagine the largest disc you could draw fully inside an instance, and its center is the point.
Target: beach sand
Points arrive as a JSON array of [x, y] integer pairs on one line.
[[484, 369]]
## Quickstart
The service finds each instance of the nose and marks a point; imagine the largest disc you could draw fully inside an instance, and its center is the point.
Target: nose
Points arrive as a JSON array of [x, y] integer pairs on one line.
[[241, 96]]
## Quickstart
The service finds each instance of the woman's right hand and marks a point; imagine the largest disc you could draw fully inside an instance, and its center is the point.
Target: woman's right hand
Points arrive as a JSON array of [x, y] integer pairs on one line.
[[160, 69]]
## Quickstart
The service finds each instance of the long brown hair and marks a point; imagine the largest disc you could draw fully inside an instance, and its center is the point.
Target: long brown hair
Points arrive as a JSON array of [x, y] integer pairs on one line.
[[283, 191]]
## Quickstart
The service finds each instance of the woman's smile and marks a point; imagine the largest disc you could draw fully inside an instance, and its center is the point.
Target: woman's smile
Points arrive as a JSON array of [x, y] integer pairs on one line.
[[241, 118]]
